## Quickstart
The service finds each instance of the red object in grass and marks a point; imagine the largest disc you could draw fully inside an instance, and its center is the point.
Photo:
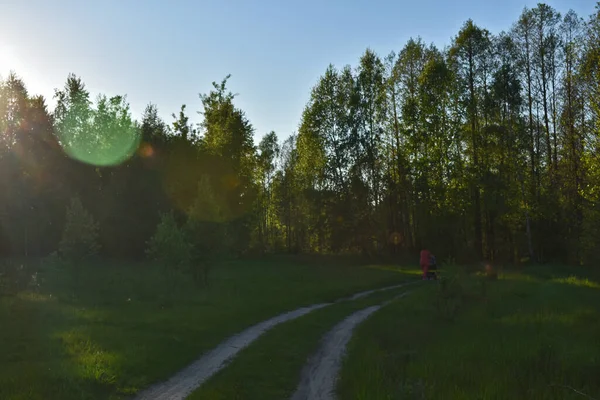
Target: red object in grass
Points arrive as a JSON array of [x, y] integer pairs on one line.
[[425, 255]]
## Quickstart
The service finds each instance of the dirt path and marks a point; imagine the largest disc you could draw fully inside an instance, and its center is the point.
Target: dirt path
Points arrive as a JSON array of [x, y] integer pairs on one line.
[[319, 376], [191, 377]]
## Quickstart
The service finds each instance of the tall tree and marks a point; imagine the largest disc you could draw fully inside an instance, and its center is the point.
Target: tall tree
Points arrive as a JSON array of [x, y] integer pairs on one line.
[[227, 140], [268, 153], [545, 20], [469, 55]]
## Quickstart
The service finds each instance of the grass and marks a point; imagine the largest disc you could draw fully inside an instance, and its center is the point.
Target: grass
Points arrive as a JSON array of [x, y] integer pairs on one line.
[[525, 336], [270, 368], [119, 328]]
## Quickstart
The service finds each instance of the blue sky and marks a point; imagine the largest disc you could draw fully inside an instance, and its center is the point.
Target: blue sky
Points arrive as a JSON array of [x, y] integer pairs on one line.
[[166, 52]]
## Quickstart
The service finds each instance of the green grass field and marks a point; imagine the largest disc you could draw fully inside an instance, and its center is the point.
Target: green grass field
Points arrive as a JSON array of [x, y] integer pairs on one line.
[[528, 335], [121, 327]]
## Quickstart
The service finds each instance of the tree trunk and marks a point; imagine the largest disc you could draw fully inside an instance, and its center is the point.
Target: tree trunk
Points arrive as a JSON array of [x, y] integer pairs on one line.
[[527, 221]]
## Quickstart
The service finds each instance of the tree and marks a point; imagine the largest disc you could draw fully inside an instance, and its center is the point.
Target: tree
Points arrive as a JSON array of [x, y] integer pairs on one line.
[[371, 92], [589, 125], [101, 136], [470, 54], [545, 20], [29, 155], [289, 191], [206, 231], [571, 172], [181, 125], [487, 149], [80, 234], [409, 67], [169, 245], [523, 33], [227, 140], [268, 153]]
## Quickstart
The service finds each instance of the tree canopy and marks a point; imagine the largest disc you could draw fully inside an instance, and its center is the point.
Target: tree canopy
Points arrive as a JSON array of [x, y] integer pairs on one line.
[[488, 149]]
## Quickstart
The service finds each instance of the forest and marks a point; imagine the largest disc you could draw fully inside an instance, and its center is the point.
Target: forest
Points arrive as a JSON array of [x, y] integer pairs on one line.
[[485, 150]]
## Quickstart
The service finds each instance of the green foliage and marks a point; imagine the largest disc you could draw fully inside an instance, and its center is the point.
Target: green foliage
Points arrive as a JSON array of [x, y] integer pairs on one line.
[[207, 232], [485, 150], [102, 136], [169, 245], [80, 233]]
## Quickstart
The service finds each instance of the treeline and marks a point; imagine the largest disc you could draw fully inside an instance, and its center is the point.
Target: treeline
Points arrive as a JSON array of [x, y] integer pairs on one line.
[[487, 149]]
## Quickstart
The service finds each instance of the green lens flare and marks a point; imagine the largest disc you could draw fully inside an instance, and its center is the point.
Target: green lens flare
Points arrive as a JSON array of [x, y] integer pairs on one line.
[[102, 148], [105, 136]]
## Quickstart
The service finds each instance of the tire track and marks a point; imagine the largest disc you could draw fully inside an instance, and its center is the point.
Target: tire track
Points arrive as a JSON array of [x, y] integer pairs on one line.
[[180, 385], [319, 376]]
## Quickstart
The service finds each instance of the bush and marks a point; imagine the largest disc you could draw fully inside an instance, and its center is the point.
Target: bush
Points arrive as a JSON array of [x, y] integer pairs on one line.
[[169, 245], [80, 235]]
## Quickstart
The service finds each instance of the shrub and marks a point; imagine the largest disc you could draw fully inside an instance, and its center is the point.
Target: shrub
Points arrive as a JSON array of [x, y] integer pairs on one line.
[[169, 245], [80, 234]]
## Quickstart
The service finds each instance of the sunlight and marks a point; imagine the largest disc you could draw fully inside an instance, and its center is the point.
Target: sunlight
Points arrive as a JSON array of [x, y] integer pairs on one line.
[[35, 297], [92, 361], [410, 271], [573, 280], [517, 276], [8, 60], [30, 72]]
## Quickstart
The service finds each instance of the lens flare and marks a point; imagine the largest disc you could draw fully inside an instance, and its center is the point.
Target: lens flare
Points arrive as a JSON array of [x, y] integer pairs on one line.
[[104, 148], [146, 150], [396, 238], [103, 137]]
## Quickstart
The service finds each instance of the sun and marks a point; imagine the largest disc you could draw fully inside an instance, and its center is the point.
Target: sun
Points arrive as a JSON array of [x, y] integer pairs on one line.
[[8, 60]]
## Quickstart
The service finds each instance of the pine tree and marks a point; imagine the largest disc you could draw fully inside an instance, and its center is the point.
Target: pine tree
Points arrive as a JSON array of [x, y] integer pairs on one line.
[[169, 245], [80, 234]]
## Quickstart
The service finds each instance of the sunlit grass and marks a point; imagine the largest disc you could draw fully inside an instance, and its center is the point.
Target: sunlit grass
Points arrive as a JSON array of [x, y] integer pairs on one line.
[[403, 270], [35, 297], [573, 280], [90, 360], [517, 276]]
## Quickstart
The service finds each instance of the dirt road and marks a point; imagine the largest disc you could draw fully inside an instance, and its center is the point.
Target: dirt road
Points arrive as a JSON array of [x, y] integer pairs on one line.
[[188, 379], [319, 376]]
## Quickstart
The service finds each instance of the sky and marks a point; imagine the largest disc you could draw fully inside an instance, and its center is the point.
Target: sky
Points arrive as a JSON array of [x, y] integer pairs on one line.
[[167, 52]]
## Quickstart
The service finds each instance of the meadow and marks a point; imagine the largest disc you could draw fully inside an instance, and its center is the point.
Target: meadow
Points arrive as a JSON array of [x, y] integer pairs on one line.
[[530, 334], [112, 329]]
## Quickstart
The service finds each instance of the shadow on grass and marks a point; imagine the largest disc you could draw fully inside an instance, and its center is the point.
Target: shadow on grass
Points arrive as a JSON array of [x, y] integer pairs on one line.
[[108, 330]]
